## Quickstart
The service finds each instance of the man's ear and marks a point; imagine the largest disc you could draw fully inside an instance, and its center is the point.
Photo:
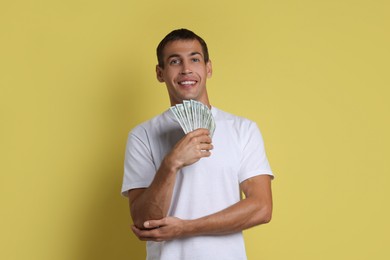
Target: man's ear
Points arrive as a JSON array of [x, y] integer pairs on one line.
[[159, 74], [209, 69]]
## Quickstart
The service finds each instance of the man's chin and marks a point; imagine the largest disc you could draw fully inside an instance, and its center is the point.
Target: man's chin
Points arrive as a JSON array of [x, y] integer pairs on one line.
[[189, 97]]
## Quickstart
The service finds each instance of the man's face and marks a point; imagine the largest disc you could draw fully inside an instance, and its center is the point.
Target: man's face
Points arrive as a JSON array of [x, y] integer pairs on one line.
[[185, 71]]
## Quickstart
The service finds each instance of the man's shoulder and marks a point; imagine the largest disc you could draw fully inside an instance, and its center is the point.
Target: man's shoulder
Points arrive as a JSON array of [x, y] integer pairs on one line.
[[236, 125], [227, 116], [150, 124]]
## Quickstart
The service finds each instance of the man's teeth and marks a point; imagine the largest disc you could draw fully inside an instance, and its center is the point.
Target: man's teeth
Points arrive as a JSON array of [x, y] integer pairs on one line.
[[188, 82]]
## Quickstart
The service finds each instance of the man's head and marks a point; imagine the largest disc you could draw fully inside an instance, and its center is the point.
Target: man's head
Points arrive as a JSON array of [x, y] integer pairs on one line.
[[184, 66], [177, 35]]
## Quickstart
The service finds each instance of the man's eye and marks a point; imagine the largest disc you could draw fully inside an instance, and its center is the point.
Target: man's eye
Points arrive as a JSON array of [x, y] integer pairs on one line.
[[195, 60], [174, 62]]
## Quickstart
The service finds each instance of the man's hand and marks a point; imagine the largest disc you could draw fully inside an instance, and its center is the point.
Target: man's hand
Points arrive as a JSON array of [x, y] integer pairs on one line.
[[167, 228], [191, 148]]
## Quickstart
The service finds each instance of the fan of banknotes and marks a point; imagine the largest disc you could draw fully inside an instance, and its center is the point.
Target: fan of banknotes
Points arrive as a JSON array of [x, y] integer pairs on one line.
[[192, 114]]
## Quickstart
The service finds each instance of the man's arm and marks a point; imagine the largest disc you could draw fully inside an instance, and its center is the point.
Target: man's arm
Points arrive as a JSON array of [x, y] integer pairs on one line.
[[154, 201], [254, 209]]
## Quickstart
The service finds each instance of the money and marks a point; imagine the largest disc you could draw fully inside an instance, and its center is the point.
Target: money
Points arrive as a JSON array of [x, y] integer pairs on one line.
[[192, 114]]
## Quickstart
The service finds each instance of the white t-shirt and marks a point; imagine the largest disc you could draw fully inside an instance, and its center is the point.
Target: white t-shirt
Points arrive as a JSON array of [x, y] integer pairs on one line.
[[203, 188]]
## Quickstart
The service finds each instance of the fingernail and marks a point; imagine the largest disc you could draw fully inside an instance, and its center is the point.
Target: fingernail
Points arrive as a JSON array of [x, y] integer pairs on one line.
[[146, 224]]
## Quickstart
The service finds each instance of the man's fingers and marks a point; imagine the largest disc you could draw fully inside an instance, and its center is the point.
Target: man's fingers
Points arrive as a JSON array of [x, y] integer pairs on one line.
[[164, 229], [204, 139], [136, 231], [196, 139], [200, 131], [190, 149], [147, 234], [205, 147], [153, 223]]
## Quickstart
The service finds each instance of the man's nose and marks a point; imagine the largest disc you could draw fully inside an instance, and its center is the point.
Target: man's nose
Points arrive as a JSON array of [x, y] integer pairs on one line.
[[186, 68]]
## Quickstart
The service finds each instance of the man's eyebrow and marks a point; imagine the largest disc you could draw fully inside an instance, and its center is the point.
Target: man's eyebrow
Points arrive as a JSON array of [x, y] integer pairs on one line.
[[174, 55], [195, 53]]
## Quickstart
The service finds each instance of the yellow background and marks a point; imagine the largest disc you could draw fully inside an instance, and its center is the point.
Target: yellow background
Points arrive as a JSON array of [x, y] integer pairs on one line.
[[76, 76]]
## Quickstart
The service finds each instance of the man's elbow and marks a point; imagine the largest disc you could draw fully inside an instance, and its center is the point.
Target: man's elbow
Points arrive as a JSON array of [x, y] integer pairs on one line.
[[138, 223], [267, 217], [139, 216], [264, 215]]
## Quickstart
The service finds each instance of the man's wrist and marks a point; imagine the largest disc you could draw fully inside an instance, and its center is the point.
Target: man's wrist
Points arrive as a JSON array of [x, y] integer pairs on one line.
[[189, 228], [171, 164]]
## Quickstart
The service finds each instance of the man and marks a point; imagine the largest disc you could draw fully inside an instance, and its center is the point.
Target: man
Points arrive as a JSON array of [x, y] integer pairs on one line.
[[185, 190]]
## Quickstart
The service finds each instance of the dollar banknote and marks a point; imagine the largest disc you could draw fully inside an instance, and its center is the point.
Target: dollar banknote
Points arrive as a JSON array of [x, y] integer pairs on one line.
[[192, 114]]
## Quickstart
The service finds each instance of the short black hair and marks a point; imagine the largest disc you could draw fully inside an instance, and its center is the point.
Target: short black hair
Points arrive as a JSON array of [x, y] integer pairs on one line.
[[176, 35]]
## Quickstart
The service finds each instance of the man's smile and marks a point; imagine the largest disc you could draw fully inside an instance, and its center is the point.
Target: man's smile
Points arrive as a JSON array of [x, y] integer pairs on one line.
[[187, 83]]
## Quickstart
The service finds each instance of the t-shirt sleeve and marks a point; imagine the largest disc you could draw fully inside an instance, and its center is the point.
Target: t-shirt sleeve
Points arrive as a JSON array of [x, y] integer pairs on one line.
[[139, 167], [254, 159]]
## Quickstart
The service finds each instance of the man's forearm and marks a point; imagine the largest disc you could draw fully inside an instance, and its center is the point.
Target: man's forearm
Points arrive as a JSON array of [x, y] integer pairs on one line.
[[242, 215], [153, 202], [254, 210]]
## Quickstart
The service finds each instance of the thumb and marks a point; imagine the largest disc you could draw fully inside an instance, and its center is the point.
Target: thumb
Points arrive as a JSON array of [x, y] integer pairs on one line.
[[153, 223]]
